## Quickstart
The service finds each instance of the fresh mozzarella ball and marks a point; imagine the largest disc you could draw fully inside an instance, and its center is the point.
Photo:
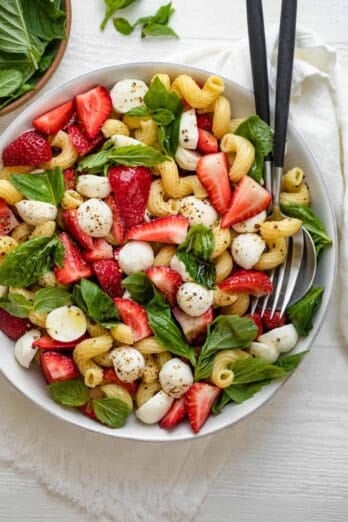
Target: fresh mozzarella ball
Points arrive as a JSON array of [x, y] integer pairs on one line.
[[188, 131], [128, 94], [3, 290], [66, 323], [283, 338], [135, 256], [187, 159], [126, 295], [252, 224], [92, 186], [194, 299], [268, 352], [24, 351], [36, 212], [155, 408], [179, 266], [129, 364], [198, 211], [95, 217], [123, 141], [175, 377], [247, 249]]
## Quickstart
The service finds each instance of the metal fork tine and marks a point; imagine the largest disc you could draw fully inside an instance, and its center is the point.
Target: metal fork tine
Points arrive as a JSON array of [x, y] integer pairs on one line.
[[295, 267], [281, 274], [267, 297]]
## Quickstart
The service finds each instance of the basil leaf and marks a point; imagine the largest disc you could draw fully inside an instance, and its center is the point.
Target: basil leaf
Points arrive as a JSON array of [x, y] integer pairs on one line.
[[44, 19], [48, 186], [139, 287], [169, 136], [153, 29], [139, 112], [162, 116], [10, 81], [227, 332], [310, 222], [290, 362], [301, 313], [18, 62], [111, 412], [123, 26], [136, 155], [69, 393], [58, 256], [16, 304], [98, 305], [253, 369], [158, 97], [47, 299], [166, 330], [202, 272], [261, 136], [111, 6], [196, 252], [47, 58], [94, 163], [238, 393]]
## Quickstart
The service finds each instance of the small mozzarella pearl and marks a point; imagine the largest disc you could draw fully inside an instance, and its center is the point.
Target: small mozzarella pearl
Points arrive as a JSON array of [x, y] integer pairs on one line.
[[36, 212], [123, 141], [135, 256], [92, 186], [283, 338], [175, 377], [198, 211], [66, 323], [129, 364], [187, 159], [194, 299], [178, 266], [155, 408], [188, 131], [264, 351], [128, 94], [252, 224], [246, 249], [95, 217], [24, 351]]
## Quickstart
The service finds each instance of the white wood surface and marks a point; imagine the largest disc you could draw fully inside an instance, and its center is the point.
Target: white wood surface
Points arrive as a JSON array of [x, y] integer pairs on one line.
[[291, 457]]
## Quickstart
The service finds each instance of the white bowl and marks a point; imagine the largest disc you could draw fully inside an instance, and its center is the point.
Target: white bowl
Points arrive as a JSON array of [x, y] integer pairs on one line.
[[31, 382]]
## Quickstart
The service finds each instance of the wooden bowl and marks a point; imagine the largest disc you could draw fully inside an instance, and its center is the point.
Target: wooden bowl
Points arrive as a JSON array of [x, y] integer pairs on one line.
[[61, 47]]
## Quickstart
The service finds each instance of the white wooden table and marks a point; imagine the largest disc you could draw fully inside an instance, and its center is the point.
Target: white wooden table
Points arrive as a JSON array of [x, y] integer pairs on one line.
[[291, 458]]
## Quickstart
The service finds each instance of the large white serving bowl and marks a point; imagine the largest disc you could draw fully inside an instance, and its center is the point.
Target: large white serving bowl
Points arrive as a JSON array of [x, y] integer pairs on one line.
[[31, 382]]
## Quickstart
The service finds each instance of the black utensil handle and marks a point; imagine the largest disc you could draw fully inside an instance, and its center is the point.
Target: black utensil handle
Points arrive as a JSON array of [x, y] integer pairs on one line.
[[258, 58], [286, 45]]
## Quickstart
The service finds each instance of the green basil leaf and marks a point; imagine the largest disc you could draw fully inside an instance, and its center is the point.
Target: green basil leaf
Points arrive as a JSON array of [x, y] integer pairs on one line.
[[47, 58], [202, 272], [158, 97], [139, 112], [163, 14], [196, 252], [162, 117], [252, 369], [153, 29], [18, 62], [44, 20], [238, 393], [10, 81], [261, 136], [301, 313], [48, 186], [290, 362], [139, 287], [47, 299], [94, 163], [111, 6], [58, 256], [111, 412], [69, 393], [168, 136], [227, 332], [136, 155], [100, 307], [16, 304], [166, 330], [123, 26]]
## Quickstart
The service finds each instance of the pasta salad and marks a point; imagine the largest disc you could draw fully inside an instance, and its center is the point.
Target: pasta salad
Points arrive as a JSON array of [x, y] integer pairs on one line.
[[133, 233]]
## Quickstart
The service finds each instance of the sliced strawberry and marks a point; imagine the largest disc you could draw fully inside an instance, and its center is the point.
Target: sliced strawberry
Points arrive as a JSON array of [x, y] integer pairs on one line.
[[72, 121], [54, 120], [199, 401], [101, 250], [212, 171], [109, 276], [193, 326], [166, 280], [118, 225], [248, 281], [258, 323], [74, 266], [57, 367], [93, 108], [248, 199], [269, 323], [172, 229], [176, 413], [131, 187], [47, 343], [134, 316], [207, 143], [82, 144], [71, 225], [110, 377], [8, 220], [13, 327], [205, 121], [88, 409], [69, 179], [29, 149]]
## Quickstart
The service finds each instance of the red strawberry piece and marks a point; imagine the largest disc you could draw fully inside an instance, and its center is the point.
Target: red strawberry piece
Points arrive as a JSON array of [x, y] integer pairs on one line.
[[69, 179], [101, 250], [88, 409], [131, 186], [13, 327], [258, 323], [176, 413], [47, 343], [212, 171], [205, 121], [109, 276], [82, 144], [72, 120], [199, 401], [186, 105], [71, 225], [166, 280], [193, 326], [8, 220], [134, 316], [93, 108], [118, 225], [249, 281], [269, 323], [207, 143], [54, 120], [57, 367], [172, 229], [74, 266], [248, 199], [110, 377], [29, 149]]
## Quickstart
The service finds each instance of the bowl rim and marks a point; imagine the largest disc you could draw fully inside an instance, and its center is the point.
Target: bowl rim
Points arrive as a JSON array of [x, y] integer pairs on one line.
[[93, 427], [61, 48]]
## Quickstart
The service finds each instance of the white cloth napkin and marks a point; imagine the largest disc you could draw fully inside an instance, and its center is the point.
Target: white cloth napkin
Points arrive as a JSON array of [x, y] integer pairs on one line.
[[128, 481]]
